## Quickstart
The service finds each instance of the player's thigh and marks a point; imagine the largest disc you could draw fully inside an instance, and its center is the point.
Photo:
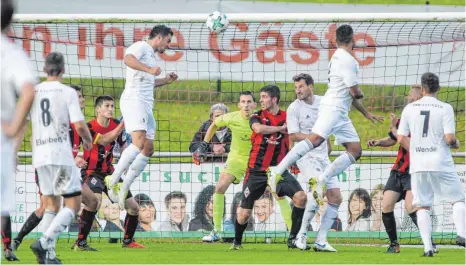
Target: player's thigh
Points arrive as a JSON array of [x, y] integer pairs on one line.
[[94, 182], [254, 186], [288, 185], [326, 122], [224, 182], [151, 125], [134, 116], [395, 186], [345, 132], [421, 187], [447, 186], [235, 167]]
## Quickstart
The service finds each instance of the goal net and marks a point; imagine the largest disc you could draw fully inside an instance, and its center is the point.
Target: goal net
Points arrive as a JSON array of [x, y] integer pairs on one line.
[[393, 51]]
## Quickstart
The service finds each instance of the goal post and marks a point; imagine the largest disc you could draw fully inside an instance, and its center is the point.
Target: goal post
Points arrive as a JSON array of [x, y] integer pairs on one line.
[[392, 49]]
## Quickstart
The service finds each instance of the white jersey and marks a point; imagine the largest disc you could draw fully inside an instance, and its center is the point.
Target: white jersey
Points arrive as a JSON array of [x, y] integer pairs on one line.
[[16, 72], [55, 106], [139, 84], [342, 74], [427, 121], [301, 117]]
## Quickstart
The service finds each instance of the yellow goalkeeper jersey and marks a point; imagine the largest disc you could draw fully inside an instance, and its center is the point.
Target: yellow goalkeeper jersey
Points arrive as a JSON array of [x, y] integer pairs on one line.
[[240, 133]]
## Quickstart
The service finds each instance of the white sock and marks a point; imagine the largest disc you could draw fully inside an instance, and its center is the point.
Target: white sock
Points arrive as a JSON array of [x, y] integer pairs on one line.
[[46, 221], [339, 165], [458, 218], [126, 159], [58, 225], [298, 151], [425, 228], [311, 209], [135, 170], [328, 218]]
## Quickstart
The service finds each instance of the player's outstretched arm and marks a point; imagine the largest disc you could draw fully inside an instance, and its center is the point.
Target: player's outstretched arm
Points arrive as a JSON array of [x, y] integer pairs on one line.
[[84, 133], [23, 107], [358, 105], [265, 129], [171, 77], [105, 139], [132, 62], [200, 154]]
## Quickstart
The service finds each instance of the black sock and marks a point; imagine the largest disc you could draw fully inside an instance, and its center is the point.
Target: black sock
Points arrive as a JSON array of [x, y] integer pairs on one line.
[[31, 223], [239, 230], [297, 220], [6, 230], [85, 224], [414, 218], [390, 226], [131, 223]]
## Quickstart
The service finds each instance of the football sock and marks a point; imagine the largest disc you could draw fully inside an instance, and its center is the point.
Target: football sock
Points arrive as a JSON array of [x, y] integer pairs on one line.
[[219, 207], [298, 151], [135, 170], [297, 217], [6, 230], [390, 226], [311, 209], [458, 218], [239, 230], [126, 159], [85, 226], [425, 228], [328, 219], [339, 165], [31, 223], [131, 223]]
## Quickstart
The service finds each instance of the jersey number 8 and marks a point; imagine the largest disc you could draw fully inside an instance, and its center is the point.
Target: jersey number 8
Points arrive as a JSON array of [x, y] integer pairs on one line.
[[45, 106]]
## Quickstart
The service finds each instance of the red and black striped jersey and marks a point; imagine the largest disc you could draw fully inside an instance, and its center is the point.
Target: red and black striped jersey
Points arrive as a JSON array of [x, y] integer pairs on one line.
[[75, 140], [402, 159], [268, 149], [99, 159]]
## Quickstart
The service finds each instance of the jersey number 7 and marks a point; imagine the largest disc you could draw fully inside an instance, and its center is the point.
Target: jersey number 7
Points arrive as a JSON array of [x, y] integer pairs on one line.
[[425, 128]]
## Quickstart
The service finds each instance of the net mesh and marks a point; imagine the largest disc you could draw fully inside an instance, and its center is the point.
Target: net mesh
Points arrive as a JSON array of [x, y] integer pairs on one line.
[[213, 69]]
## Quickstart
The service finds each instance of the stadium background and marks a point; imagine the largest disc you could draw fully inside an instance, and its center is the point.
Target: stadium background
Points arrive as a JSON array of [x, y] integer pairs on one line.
[[193, 96]]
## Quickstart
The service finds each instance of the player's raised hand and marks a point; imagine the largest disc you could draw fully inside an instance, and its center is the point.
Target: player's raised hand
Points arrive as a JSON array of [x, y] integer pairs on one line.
[[372, 143], [393, 120], [171, 77], [200, 154], [155, 71], [374, 118]]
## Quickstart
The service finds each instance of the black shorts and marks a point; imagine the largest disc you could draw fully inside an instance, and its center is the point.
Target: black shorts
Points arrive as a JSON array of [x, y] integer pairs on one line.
[[255, 183], [399, 182], [95, 182]]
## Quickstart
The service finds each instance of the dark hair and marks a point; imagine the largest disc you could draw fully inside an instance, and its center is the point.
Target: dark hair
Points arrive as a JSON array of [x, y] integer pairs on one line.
[[76, 87], [144, 200], [430, 82], [174, 195], [100, 99], [365, 197], [201, 202], [303, 76], [54, 64], [273, 91], [8, 9], [247, 93], [344, 34], [161, 30]]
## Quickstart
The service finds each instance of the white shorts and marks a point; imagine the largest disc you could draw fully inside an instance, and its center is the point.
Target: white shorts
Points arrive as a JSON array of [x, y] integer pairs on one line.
[[7, 174], [336, 122], [446, 185], [138, 116], [311, 166], [58, 180]]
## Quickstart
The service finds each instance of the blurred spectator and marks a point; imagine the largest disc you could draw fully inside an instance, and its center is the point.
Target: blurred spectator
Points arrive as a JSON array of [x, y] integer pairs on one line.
[[203, 211], [109, 214], [359, 210], [264, 214], [220, 143], [229, 224], [177, 219], [147, 213], [376, 216]]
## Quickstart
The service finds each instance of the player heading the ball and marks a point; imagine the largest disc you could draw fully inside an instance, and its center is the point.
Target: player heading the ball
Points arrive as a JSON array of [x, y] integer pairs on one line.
[[136, 104]]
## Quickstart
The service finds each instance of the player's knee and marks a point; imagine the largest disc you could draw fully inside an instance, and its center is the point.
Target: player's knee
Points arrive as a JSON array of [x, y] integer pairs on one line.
[[242, 216], [388, 207], [335, 199], [300, 199], [356, 152], [148, 149], [316, 140], [410, 208], [220, 188], [40, 211], [92, 204]]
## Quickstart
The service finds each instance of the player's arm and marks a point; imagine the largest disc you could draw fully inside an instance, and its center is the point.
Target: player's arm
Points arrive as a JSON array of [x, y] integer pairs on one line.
[[449, 128], [358, 105], [169, 78], [200, 154], [77, 119], [105, 139], [259, 128]]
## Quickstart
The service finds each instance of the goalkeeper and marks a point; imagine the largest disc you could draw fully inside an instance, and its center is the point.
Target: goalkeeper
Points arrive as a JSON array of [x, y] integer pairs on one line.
[[237, 162]]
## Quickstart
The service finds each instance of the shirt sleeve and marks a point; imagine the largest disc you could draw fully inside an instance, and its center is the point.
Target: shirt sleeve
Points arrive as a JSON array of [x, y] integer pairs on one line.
[[136, 50], [349, 72], [449, 120], [403, 127], [223, 120], [254, 119], [292, 119], [74, 110]]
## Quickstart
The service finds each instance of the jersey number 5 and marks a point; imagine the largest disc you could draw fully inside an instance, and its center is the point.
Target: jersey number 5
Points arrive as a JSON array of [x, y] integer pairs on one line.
[[45, 106], [425, 128]]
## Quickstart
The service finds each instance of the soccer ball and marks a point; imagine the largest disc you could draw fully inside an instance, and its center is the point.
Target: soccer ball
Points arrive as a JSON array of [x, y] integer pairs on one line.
[[217, 22]]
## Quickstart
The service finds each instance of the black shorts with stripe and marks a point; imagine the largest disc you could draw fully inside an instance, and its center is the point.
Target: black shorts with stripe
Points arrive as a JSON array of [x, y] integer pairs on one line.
[[255, 184], [95, 182], [399, 182]]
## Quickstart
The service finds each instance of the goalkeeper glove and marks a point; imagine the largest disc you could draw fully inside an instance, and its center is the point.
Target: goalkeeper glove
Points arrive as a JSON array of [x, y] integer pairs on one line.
[[294, 169], [200, 154]]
